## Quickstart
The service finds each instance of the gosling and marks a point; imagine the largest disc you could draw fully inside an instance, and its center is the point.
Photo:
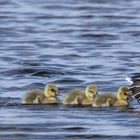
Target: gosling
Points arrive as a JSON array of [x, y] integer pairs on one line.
[[38, 96], [79, 97], [109, 99]]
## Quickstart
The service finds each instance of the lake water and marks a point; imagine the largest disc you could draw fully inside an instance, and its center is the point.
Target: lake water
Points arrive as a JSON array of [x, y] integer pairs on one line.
[[71, 43]]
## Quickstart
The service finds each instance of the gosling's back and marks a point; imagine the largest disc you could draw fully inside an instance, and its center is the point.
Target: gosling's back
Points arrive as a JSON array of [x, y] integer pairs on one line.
[[104, 99], [76, 97], [108, 100], [31, 96], [73, 97]]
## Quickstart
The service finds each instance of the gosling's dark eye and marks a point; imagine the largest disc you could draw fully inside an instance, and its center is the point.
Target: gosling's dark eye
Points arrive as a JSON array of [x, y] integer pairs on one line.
[[125, 94], [52, 90]]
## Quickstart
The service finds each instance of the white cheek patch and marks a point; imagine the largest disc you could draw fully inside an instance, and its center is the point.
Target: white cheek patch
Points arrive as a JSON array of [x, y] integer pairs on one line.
[[128, 79]]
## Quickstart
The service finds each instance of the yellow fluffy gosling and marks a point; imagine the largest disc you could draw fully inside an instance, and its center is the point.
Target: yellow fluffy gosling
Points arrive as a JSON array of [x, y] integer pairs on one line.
[[38, 96], [110, 99], [79, 97]]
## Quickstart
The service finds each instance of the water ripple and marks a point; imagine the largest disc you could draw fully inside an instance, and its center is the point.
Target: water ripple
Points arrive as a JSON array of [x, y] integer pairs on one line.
[[71, 43]]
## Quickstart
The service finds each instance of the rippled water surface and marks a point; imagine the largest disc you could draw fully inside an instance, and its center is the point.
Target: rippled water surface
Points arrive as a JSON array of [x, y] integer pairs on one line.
[[70, 43]]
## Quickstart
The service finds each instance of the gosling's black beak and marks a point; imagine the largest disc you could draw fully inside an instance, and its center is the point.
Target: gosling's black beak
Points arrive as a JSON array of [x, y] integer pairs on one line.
[[54, 91]]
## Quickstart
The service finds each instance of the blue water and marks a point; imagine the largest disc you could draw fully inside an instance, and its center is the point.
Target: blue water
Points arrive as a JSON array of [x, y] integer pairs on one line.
[[72, 44]]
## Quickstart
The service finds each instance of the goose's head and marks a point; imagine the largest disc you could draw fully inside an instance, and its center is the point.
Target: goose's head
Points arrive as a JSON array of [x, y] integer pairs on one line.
[[91, 91], [122, 93], [51, 90]]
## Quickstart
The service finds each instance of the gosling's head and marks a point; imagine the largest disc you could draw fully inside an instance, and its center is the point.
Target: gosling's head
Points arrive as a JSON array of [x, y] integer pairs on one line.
[[91, 91], [51, 90], [122, 93]]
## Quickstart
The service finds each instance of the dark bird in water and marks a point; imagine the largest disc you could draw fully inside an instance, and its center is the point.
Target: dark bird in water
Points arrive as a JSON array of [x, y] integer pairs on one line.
[[134, 88]]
